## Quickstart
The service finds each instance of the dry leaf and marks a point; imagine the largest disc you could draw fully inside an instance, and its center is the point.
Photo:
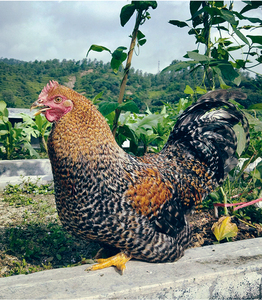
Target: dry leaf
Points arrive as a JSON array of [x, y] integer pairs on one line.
[[224, 228]]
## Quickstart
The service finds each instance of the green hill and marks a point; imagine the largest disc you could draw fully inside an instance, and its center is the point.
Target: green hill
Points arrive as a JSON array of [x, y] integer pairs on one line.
[[21, 82]]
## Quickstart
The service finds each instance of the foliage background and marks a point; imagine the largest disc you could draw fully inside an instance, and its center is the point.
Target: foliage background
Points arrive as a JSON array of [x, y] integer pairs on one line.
[[21, 82]]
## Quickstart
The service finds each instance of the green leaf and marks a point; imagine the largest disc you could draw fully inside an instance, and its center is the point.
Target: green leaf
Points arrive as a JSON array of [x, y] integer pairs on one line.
[[241, 139], [240, 35], [237, 80], [256, 39], [97, 48], [228, 16], [119, 54], [27, 146], [106, 107], [129, 106], [259, 59], [141, 38], [141, 42], [255, 106], [200, 91], [218, 20], [194, 6], [144, 5], [178, 23], [58, 256], [126, 13], [4, 132], [94, 100], [115, 64], [240, 63], [227, 71], [233, 48], [2, 106], [188, 90], [251, 5], [197, 56], [140, 35], [179, 66]]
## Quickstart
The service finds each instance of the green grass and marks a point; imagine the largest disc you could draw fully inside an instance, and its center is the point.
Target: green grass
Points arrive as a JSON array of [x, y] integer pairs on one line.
[[31, 236]]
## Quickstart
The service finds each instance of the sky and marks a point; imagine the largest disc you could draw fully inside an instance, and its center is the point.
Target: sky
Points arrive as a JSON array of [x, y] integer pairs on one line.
[[43, 30]]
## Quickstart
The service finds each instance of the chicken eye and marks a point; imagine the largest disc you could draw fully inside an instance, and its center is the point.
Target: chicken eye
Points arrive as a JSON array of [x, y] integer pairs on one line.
[[58, 100]]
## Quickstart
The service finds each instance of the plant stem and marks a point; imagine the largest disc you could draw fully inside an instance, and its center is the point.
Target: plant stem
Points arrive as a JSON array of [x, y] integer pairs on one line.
[[127, 68], [44, 143], [224, 200]]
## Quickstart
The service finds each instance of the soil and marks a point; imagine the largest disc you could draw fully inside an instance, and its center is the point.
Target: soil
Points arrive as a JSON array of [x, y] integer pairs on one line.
[[12, 263]]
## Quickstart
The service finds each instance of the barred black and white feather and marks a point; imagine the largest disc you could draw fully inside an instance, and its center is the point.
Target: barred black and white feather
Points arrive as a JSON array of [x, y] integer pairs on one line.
[[208, 132]]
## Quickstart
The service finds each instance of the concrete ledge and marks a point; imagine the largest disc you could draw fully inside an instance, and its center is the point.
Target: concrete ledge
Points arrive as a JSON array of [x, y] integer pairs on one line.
[[225, 271], [15, 171]]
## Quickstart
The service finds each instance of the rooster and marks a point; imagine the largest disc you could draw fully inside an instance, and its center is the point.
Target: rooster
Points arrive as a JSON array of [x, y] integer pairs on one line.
[[136, 204]]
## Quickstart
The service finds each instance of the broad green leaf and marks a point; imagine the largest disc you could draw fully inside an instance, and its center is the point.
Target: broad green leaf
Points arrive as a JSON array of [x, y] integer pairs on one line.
[[129, 106], [227, 71], [224, 228], [223, 85], [94, 100], [197, 56], [222, 28], [141, 42], [241, 139], [233, 48], [97, 48], [218, 20], [141, 38], [228, 16], [256, 39], [126, 13], [106, 107], [240, 35], [140, 35], [179, 66], [32, 152], [188, 90], [178, 23], [4, 132], [119, 54], [2, 106], [201, 91], [259, 59], [251, 5], [194, 6], [237, 80], [144, 5]]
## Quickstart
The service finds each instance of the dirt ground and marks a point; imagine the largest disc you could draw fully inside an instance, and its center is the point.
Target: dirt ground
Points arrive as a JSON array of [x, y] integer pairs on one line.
[[43, 210]]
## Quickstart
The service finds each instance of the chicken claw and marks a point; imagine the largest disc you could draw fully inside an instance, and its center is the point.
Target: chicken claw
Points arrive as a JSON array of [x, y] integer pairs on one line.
[[119, 260]]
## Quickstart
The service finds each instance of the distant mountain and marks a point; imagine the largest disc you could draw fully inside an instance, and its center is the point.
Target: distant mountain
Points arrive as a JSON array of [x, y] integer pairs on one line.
[[21, 82], [11, 61]]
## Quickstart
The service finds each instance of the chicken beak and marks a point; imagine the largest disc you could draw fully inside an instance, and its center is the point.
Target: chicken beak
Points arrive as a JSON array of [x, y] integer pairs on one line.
[[42, 108]]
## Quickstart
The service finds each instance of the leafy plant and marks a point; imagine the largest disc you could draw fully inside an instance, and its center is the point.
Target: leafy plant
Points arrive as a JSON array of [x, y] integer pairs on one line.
[[38, 127], [217, 59], [119, 56], [13, 138]]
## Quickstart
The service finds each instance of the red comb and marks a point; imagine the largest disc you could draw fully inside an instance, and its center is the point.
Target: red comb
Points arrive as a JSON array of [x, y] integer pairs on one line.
[[47, 89]]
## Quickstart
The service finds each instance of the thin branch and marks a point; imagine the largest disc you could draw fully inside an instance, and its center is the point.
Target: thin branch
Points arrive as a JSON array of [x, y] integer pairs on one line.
[[127, 68]]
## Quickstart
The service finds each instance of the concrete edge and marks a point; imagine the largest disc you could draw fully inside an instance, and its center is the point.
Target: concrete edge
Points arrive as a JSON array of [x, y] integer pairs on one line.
[[223, 271]]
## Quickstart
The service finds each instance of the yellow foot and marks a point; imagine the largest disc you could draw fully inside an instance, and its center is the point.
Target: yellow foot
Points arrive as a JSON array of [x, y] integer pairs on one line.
[[119, 260]]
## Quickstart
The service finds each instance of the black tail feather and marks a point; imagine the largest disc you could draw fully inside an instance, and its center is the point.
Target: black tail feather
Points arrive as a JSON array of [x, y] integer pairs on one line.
[[209, 135]]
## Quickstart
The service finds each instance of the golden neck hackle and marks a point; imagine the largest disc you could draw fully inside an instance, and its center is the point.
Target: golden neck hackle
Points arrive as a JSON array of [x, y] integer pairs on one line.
[[83, 131]]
